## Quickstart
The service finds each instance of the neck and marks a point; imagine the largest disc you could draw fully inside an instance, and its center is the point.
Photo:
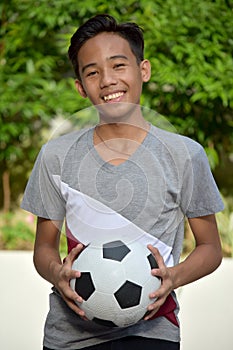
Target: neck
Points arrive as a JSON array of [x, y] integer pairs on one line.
[[126, 130], [121, 120], [122, 132], [119, 140]]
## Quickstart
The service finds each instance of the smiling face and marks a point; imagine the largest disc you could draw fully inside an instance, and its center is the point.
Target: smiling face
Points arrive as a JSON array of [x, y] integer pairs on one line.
[[110, 74]]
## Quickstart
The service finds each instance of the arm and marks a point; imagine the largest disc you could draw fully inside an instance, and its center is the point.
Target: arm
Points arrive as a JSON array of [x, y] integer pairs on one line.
[[203, 260], [48, 263], [207, 255]]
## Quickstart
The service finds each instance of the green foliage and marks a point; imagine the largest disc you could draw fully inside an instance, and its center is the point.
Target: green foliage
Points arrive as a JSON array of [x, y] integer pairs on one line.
[[189, 44], [15, 234], [190, 47], [225, 228], [23, 234], [225, 225], [63, 245]]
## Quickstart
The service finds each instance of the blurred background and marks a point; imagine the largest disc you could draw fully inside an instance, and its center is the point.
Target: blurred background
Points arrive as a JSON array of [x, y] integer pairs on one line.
[[190, 46]]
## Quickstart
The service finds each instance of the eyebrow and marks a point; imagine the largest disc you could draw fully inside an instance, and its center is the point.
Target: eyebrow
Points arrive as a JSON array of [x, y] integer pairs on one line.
[[87, 66], [110, 58], [118, 56]]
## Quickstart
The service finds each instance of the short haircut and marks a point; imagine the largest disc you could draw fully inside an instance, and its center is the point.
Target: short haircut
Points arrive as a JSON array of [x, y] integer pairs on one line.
[[106, 23]]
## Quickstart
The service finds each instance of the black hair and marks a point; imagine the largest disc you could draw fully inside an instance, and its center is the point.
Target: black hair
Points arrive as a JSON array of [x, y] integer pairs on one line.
[[106, 23]]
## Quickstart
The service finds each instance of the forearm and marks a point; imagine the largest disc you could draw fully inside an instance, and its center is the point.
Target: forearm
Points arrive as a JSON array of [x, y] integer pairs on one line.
[[207, 255], [47, 262], [46, 258], [204, 259]]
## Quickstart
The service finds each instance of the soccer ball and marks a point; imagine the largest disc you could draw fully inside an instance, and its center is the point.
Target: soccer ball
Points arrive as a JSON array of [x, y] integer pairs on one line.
[[115, 282]]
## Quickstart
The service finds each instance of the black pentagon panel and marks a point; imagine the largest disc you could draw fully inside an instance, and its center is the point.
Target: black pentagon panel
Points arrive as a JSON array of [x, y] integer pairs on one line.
[[104, 322], [128, 295], [84, 285], [152, 261], [115, 250]]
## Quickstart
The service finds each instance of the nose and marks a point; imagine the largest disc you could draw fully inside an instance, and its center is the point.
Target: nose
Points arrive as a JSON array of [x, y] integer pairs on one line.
[[107, 78]]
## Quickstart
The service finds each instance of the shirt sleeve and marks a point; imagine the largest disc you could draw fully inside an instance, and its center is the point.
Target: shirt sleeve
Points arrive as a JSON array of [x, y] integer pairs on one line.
[[199, 195], [42, 196]]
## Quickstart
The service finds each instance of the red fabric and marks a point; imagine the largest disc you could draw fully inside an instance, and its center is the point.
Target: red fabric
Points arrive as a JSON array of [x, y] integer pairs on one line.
[[71, 240], [167, 310]]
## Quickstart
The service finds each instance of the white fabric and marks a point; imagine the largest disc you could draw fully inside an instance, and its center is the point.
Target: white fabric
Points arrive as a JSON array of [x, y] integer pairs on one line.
[[89, 220]]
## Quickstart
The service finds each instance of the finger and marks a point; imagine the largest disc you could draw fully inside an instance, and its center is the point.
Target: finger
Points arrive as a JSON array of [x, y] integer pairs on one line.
[[69, 294], [75, 308], [73, 254], [150, 314], [74, 300], [155, 295], [66, 274], [71, 274], [75, 251], [158, 257], [152, 309], [159, 273], [155, 306]]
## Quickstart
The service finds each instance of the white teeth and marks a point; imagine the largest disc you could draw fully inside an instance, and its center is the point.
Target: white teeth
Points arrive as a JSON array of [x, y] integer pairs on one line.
[[112, 96]]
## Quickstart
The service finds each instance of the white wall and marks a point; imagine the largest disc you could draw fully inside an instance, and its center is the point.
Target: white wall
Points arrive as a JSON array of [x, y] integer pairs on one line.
[[206, 306]]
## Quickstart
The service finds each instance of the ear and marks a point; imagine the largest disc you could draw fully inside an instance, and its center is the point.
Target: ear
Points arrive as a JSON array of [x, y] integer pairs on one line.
[[145, 70], [80, 88]]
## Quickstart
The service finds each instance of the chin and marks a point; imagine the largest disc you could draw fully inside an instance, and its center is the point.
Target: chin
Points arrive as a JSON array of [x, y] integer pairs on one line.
[[116, 111]]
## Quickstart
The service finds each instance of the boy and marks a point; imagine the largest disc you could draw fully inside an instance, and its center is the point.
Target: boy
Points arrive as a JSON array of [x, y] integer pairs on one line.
[[151, 177]]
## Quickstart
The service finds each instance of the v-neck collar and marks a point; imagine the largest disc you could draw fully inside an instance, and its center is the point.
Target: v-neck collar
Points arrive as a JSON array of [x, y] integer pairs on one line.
[[110, 166]]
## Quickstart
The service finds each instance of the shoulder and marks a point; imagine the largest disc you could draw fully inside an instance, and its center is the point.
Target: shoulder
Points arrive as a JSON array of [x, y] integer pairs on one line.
[[57, 148], [177, 144], [66, 140]]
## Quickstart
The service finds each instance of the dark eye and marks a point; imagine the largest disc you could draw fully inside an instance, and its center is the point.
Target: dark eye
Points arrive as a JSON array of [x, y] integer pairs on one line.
[[90, 74], [119, 65]]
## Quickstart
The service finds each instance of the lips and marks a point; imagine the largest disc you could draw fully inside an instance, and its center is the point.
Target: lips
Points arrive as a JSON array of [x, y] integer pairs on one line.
[[113, 97]]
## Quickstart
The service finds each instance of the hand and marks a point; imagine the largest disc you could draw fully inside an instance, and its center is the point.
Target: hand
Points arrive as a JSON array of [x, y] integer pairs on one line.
[[65, 274], [166, 283]]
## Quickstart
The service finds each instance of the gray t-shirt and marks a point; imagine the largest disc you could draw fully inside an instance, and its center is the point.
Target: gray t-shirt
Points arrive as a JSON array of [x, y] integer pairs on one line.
[[167, 178]]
